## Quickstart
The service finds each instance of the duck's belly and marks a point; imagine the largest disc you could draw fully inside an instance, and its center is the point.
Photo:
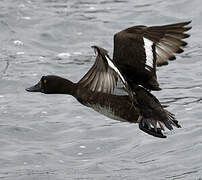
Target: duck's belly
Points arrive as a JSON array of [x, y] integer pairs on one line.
[[107, 111]]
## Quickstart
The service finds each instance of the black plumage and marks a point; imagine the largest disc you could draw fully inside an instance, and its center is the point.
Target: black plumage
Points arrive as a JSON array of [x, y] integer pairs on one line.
[[137, 52], [131, 57]]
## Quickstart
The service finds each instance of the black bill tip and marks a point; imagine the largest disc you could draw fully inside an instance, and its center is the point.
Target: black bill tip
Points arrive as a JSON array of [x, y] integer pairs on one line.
[[35, 88]]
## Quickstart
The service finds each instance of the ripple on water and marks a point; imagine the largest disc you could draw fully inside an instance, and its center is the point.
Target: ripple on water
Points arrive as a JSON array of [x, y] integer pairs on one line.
[[55, 137]]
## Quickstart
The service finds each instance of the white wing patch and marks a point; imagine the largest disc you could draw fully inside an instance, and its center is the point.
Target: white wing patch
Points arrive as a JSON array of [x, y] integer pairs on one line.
[[115, 69], [127, 88], [149, 53]]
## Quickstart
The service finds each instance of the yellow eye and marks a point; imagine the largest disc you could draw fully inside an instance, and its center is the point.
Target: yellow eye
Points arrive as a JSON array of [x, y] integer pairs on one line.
[[44, 81]]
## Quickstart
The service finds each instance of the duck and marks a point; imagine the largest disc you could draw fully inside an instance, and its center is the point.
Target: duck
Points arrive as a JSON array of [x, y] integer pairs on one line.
[[96, 89]]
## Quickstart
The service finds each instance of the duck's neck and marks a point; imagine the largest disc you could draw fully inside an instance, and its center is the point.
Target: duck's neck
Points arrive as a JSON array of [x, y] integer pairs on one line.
[[69, 88], [65, 86]]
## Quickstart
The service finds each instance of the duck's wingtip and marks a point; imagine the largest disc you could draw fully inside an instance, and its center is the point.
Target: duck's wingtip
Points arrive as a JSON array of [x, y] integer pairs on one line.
[[156, 132], [189, 22]]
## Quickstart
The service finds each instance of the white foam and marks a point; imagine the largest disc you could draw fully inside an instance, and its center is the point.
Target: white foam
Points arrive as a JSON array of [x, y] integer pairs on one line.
[[92, 8], [188, 109], [44, 112], [77, 53], [21, 6], [18, 42], [41, 57], [64, 55], [34, 74], [61, 161], [20, 53], [79, 33], [26, 18]]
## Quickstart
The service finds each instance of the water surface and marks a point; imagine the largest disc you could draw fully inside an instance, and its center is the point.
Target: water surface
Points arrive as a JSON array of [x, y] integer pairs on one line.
[[53, 136]]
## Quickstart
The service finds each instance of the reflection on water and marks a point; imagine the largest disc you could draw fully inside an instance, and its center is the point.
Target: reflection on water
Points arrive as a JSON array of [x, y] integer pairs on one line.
[[55, 137]]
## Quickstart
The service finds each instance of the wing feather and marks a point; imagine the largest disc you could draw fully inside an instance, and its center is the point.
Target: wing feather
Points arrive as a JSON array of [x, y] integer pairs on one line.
[[100, 77], [132, 49], [169, 38]]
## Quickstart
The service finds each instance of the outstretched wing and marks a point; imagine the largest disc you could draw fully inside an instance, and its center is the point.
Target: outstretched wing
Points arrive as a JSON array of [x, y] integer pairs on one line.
[[103, 75], [139, 49], [100, 77], [168, 40]]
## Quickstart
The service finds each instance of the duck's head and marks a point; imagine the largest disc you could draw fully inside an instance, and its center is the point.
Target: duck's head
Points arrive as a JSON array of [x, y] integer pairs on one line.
[[53, 85]]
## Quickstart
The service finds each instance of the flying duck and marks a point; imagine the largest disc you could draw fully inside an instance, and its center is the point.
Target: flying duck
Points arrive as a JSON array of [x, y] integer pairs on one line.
[[96, 88]]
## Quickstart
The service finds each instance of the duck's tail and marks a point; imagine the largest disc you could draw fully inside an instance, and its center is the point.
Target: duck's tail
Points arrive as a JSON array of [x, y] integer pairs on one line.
[[155, 128]]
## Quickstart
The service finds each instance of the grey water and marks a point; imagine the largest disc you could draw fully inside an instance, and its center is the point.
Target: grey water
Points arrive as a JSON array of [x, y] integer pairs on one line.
[[53, 137]]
